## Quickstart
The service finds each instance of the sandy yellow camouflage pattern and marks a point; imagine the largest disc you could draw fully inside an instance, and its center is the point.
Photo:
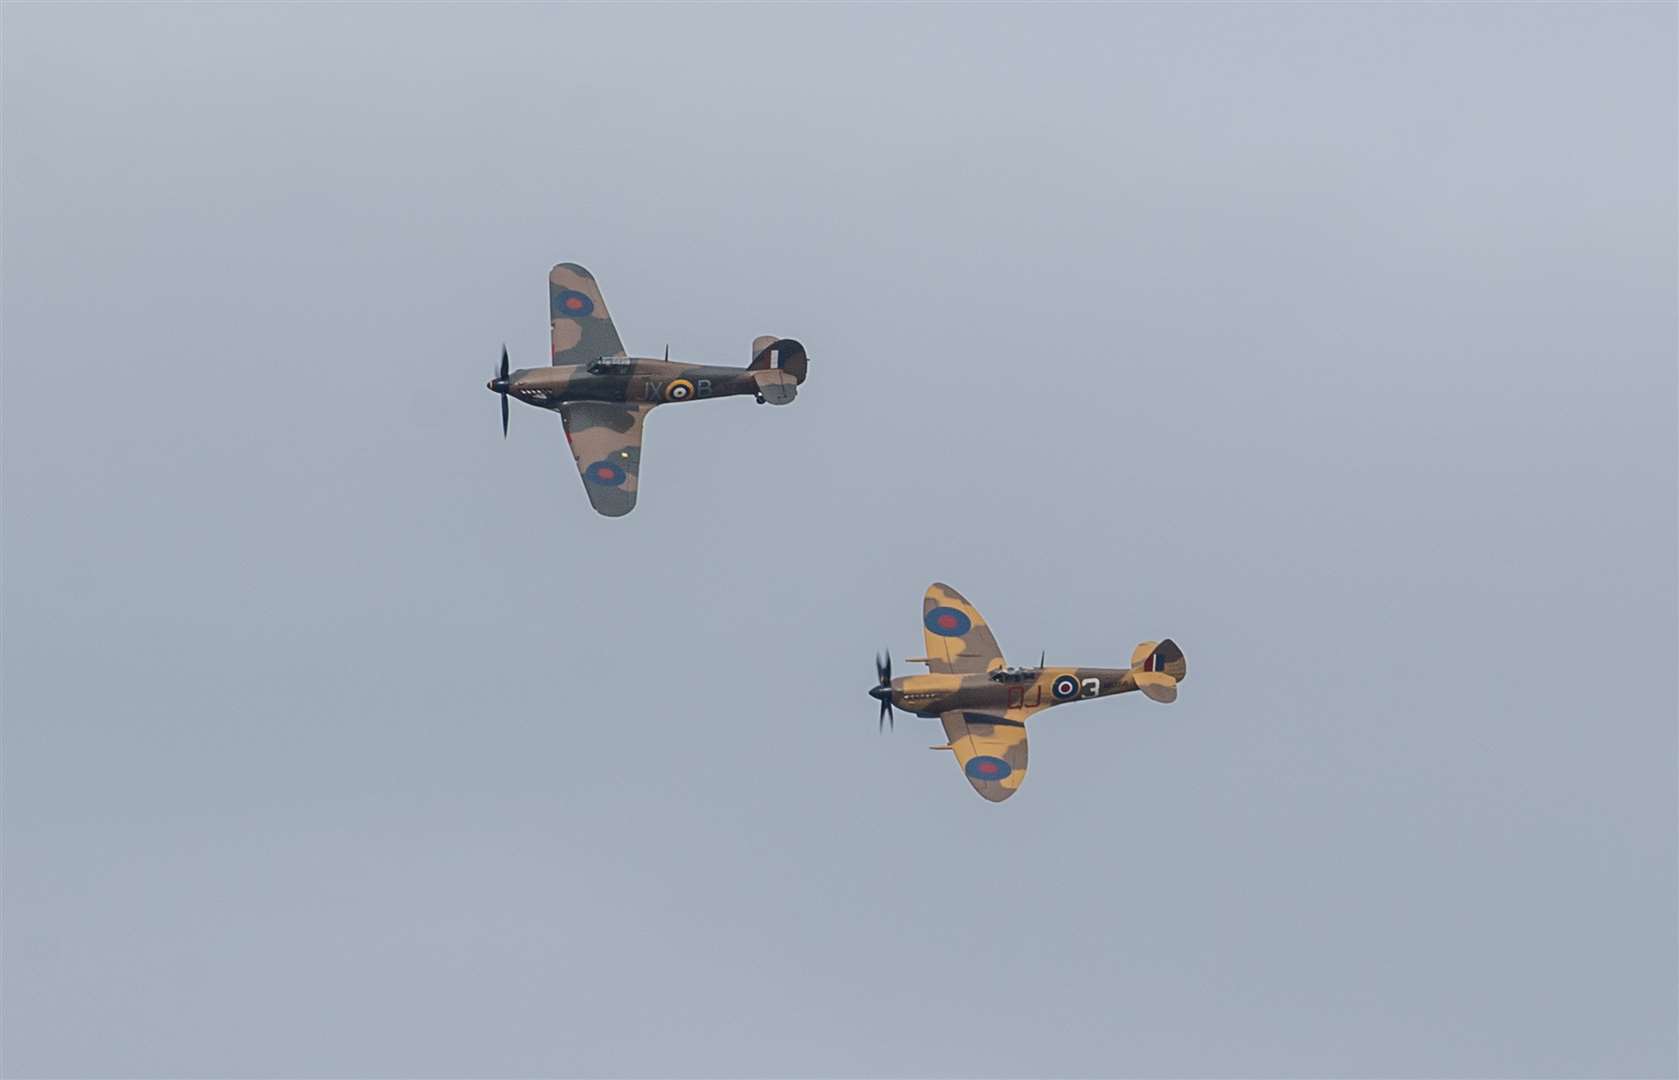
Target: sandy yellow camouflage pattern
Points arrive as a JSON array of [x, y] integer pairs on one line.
[[603, 395], [948, 652], [984, 704]]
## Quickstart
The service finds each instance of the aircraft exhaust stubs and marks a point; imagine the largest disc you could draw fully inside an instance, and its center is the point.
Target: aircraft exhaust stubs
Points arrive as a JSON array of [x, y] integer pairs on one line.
[[947, 622], [679, 390], [1064, 688], [986, 767]]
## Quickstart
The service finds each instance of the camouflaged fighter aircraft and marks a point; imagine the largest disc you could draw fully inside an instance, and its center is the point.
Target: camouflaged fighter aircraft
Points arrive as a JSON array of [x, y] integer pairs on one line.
[[984, 704], [603, 396]]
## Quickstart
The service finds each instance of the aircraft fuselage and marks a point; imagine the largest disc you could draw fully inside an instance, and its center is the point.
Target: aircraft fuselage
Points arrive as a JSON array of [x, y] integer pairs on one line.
[[633, 381], [930, 695]]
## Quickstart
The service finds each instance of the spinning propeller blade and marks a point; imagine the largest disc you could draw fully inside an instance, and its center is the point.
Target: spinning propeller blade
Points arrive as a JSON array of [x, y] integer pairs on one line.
[[882, 691], [501, 380]]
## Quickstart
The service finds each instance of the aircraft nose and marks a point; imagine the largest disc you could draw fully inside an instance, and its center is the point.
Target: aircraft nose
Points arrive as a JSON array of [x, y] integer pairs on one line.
[[880, 693], [497, 386]]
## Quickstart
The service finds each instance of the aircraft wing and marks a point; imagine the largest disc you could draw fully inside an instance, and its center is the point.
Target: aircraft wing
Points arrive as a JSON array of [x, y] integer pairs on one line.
[[991, 748], [582, 329], [605, 439], [958, 641]]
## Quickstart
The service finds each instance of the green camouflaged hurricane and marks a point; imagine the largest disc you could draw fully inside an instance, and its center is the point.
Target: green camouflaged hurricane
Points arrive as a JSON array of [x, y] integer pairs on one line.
[[603, 396]]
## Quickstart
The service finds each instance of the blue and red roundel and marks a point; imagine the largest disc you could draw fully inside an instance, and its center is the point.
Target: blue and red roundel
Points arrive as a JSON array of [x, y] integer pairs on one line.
[[571, 303], [605, 473], [1065, 688], [986, 767], [948, 622]]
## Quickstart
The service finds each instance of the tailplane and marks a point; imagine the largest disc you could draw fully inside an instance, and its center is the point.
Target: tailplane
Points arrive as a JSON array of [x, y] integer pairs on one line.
[[775, 387], [1158, 667]]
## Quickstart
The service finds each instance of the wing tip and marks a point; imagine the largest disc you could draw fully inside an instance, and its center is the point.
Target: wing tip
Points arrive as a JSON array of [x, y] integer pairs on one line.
[[939, 592], [610, 502]]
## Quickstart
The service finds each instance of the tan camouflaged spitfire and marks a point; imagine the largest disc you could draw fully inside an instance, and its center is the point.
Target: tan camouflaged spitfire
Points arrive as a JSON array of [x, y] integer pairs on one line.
[[603, 396], [984, 704]]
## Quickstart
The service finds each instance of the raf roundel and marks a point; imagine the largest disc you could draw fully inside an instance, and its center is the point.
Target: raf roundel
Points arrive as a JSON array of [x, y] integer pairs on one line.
[[947, 622], [986, 767], [571, 303], [1064, 688], [605, 473], [679, 390]]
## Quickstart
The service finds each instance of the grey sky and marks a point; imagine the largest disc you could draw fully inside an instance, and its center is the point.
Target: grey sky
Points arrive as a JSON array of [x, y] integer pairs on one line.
[[1337, 342]]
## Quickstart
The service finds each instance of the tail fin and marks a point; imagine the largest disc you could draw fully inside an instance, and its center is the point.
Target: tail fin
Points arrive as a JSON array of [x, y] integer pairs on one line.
[[1158, 667], [784, 354]]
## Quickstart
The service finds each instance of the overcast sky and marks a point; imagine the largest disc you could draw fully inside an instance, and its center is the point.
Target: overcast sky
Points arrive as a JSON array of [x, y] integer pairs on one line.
[[1336, 342]]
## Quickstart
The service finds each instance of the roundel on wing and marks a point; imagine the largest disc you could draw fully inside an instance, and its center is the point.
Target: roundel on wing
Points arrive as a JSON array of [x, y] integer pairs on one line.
[[986, 767], [679, 390], [605, 473], [571, 303], [947, 622], [1064, 688]]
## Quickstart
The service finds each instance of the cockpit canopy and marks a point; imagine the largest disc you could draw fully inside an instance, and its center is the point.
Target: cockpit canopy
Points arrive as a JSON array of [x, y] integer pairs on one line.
[[1015, 674], [611, 365]]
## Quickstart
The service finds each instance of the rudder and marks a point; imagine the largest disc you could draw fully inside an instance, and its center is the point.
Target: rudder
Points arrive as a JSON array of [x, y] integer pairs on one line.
[[785, 354], [1157, 668], [1161, 656]]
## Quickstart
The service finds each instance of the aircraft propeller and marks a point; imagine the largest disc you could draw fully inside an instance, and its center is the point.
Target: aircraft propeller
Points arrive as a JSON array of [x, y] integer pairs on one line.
[[500, 384], [882, 691]]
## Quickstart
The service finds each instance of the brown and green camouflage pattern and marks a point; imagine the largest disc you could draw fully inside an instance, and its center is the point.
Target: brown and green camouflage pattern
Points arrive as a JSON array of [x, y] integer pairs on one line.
[[984, 705], [604, 406]]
